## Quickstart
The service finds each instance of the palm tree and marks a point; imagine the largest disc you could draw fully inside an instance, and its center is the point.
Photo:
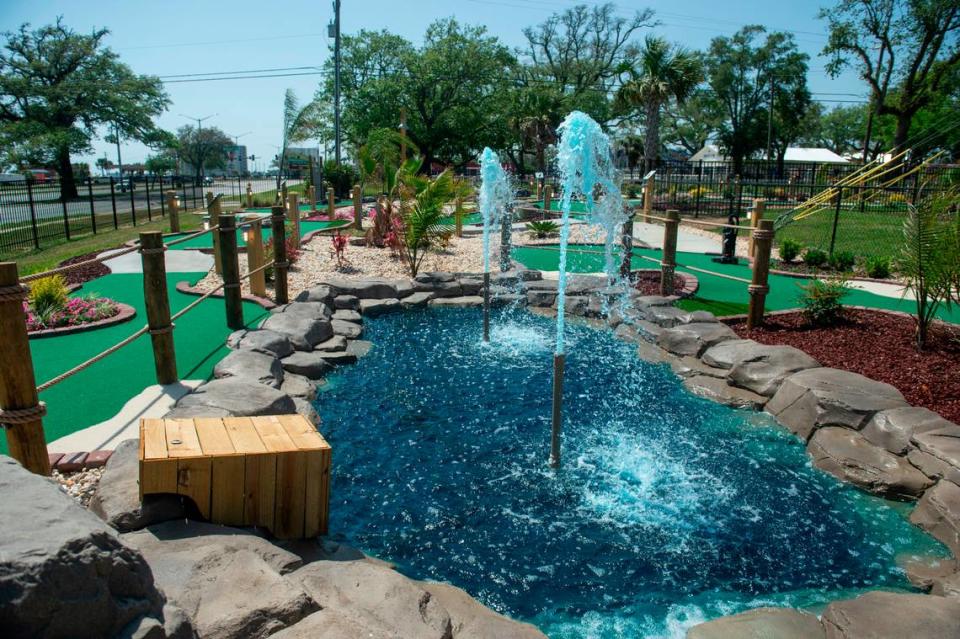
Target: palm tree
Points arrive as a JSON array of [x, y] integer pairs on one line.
[[661, 72], [299, 123]]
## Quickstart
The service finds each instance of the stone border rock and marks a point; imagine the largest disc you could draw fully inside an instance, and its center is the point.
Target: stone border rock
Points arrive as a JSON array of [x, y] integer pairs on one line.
[[126, 314]]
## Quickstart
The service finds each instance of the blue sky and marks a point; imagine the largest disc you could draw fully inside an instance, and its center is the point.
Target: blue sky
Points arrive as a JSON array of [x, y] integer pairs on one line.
[[178, 37]]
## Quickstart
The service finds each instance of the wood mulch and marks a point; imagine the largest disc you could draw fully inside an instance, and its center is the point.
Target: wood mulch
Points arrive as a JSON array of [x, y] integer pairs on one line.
[[648, 282], [879, 346], [84, 273]]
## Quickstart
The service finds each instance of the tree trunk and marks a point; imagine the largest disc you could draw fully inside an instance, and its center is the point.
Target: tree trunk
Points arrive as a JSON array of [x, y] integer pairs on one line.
[[651, 140], [68, 186], [900, 136]]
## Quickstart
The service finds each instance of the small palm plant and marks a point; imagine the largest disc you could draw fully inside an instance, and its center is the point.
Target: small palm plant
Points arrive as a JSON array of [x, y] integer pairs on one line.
[[928, 260], [541, 229], [423, 211]]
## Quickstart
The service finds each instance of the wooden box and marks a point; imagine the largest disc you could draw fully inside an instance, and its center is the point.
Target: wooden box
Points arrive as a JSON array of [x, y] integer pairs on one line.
[[272, 472]]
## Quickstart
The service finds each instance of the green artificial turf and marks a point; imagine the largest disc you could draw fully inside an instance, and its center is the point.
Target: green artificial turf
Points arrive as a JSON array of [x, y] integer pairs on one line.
[[578, 207], [716, 294], [100, 391], [206, 240], [304, 208]]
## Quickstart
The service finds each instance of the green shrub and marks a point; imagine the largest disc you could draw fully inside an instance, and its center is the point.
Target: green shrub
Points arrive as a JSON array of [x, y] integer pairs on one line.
[[542, 228], [878, 267], [340, 178], [842, 261], [822, 301], [789, 250], [48, 295], [814, 257]]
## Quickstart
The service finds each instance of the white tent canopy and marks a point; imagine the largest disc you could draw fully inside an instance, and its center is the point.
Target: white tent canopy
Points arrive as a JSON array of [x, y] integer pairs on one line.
[[712, 153]]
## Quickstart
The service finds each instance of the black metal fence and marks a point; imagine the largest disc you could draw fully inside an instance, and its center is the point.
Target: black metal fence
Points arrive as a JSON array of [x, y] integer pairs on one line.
[[35, 213]]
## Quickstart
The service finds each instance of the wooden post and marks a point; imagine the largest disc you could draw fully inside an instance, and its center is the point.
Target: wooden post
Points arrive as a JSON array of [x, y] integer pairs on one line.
[[209, 197], [213, 211], [357, 207], [258, 281], [758, 289], [647, 199], [759, 210], [22, 411], [249, 195], [231, 271], [539, 189], [156, 299], [293, 212], [173, 207], [280, 264], [331, 205], [669, 260], [312, 197], [547, 197]]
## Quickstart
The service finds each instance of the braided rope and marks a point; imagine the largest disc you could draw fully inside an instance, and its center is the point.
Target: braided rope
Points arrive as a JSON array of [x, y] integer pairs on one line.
[[762, 234], [13, 293], [153, 251], [13, 416], [758, 289], [93, 360], [70, 267], [163, 330], [190, 237]]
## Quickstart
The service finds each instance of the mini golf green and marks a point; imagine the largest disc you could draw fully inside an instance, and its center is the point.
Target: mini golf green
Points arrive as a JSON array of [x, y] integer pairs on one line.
[[470, 218], [716, 294], [206, 241], [578, 207], [100, 391], [304, 208]]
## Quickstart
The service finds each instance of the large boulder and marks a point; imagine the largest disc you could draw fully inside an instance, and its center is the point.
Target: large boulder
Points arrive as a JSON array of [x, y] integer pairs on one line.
[[348, 330], [829, 397], [346, 302], [846, 454], [369, 289], [256, 366], [385, 600], [335, 343], [229, 582], [720, 391], [694, 339], [311, 365], [347, 315], [892, 429], [761, 623], [240, 398], [473, 620], [310, 310], [664, 316], [938, 512], [304, 333], [457, 302], [117, 497], [419, 298], [299, 386], [63, 572], [260, 340], [889, 615], [763, 368], [321, 293], [938, 452], [374, 307], [307, 410]]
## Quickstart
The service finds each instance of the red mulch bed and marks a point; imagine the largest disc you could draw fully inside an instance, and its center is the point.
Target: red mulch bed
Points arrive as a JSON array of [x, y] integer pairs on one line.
[[648, 282], [879, 346], [84, 273]]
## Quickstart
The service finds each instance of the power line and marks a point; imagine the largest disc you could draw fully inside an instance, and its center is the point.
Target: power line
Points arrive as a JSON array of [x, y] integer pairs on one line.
[[190, 75], [243, 77]]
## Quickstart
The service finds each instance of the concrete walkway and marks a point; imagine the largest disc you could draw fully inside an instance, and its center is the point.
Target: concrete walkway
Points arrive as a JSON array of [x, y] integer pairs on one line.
[[154, 401], [652, 236], [176, 261]]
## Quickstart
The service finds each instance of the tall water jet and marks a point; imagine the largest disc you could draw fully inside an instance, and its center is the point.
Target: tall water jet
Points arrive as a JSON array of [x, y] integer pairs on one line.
[[494, 198], [585, 164]]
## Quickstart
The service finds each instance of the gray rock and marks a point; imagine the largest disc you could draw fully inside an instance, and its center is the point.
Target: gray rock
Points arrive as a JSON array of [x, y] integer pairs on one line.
[[943, 444], [471, 286], [117, 497], [321, 293], [339, 358], [664, 316], [303, 332], [933, 467], [347, 316], [417, 299], [229, 582], [440, 289], [541, 298], [829, 397], [763, 372], [374, 307], [457, 302], [189, 412], [307, 409], [472, 620], [404, 288], [688, 366], [693, 339], [310, 310], [727, 354], [628, 333], [241, 398], [347, 330], [368, 289], [63, 571], [434, 277], [298, 386], [938, 512], [846, 454], [331, 623], [256, 366], [508, 299], [335, 343], [383, 599], [702, 317], [892, 429], [929, 574], [527, 275], [311, 365], [260, 340], [574, 304], [719, 391], [761, 623], [359, 347], [543, 285], [882, 615], [346, 302], [653, 300]]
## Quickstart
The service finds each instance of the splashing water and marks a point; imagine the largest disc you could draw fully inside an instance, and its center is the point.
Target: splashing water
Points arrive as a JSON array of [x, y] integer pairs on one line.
[[494, 198], [585, 162]]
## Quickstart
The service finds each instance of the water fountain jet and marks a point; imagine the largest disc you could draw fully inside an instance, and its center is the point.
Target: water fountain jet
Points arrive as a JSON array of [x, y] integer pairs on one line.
[[495, 194]]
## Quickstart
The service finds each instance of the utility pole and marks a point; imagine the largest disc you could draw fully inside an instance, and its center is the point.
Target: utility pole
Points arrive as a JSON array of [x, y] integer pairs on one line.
[[770, 125], [336, 80], [199, 130], [116, 136]]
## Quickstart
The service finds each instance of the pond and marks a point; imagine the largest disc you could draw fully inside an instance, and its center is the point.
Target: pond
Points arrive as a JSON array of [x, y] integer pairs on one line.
[[668, 509]]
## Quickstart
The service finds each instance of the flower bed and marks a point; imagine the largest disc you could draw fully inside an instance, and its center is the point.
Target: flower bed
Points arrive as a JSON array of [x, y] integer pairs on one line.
[[76, 311]]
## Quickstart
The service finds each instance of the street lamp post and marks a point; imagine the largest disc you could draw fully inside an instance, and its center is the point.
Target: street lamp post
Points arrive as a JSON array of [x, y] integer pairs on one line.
[[199, 130]]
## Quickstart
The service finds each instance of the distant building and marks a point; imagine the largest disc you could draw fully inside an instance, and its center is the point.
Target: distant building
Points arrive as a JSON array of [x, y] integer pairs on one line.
[[712, 153], [298, 160], [236, 160]]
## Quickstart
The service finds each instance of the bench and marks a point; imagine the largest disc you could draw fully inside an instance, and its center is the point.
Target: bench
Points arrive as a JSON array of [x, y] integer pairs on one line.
[[272, 472]]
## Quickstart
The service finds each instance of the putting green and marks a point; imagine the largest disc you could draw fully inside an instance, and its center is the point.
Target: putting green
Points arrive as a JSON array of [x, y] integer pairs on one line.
[[716, 294], [304, 208], [206, 241], [100, 391], [577, 207]]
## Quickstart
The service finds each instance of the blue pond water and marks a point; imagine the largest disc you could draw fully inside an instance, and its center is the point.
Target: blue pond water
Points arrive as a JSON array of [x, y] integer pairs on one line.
[[668, 509]]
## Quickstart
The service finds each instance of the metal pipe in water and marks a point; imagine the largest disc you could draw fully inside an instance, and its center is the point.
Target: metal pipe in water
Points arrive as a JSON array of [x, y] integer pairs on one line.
[[486, 307], [558, 366]]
